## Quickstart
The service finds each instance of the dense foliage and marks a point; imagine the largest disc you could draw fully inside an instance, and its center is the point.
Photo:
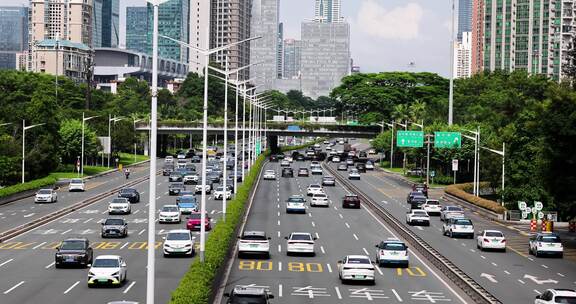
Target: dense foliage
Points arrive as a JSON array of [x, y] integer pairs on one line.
[[533, 115]]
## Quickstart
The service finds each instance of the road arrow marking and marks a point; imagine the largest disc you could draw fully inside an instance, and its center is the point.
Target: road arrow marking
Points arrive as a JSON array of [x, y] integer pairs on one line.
[[490, 277], [540, 282]]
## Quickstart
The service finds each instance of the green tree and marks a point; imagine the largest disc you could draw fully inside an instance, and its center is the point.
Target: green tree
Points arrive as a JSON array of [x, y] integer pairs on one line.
[[71, 141]]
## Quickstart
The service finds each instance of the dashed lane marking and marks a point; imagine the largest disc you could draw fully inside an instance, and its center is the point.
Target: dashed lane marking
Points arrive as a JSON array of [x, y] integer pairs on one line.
[[347, 225], [279, 266], [129, 287], [14, 287], [280, 290], [338, 294], [506, 272], [4, 263], [321, 249], [397, 295], [39, 245], [71, 287], [329, 267], [366, 251], [49, 265], [355, 236]]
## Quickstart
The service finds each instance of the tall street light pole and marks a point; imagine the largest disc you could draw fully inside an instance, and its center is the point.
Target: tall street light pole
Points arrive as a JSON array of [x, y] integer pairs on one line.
[[84, 119], [134, 123], [110, 121], [451, 93], [503, 154], [206, 53], [24, 128]]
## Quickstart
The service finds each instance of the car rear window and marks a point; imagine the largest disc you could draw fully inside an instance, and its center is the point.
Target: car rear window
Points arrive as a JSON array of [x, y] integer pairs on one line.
[[73, 245], [358, 261], [420, 213], [550, 239], [195, 216], [494, 234], [301, 237], [45, 191], [462, 222], [393, 246], [296, 200], [169, 209], [248, 299], [254, 237], [114, 222], [178, 236], [105, 263], [565, 300], [432, 203]]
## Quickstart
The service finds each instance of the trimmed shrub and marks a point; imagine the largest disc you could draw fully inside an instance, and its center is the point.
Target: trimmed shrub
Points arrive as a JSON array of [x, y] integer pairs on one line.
[[35, 184], [462, 191]]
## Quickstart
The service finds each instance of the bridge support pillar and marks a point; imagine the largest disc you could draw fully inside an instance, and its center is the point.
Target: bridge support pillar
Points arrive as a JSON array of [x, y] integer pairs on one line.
[[273, 144]]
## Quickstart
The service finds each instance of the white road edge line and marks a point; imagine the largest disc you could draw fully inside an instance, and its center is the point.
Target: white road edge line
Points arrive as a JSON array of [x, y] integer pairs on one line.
[[39, 245], [397, 295], [129, 286], [10, 260], [14, 287], [70, 288], [321, 249], [49, 265], [355, 236]]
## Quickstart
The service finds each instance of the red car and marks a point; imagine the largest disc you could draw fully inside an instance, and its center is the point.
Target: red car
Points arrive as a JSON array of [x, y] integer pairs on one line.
[[194, 220], [351, 201]]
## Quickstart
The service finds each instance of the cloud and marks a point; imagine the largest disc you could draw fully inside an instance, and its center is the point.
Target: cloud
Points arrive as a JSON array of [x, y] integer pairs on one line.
[[402, 22]]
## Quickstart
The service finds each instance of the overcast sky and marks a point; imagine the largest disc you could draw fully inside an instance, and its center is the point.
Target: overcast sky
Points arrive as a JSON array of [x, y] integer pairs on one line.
[[386, 35]]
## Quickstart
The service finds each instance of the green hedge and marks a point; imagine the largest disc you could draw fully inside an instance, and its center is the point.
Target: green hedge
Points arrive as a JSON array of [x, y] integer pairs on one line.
[[196, 285], [462, 191], [35, 184]]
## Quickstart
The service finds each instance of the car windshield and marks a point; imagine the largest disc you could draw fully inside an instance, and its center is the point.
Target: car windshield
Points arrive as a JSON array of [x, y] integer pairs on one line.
[[119, 201], [178, 236], [301, 237], [463, 222], [73, 245], [254, 237], [420, 213], [105, 263], [269, 171], [248, 299], [114, 222], [195, 216], [296, 200], [187, 200], [169, 209], [432, 202], [351, 198], [358, 261], [315, 186], [565, 300], [45, 191], [494, 234], [124, 191], [76, 181], [353, 171], [549, 239], [394, 246], [329, 178]]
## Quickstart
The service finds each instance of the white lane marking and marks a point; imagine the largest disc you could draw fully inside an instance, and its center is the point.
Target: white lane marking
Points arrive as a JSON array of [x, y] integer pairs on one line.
[[531, 259], [279, 266], [397, 295], [104, 212], [278, 222], [309, 214], [88, 220], [321, 249], [278, 213], [544, 266], [14, 287], [279, 248], [347, 225], [158, 197], [379, 271], [39, 245], [472, 250], [385, 202], [317, 236], [419, 228], [329, 267], [335, 208], [10, 260], [494, 264], [70, 288], [278, 206], [278, 234], [123, 246], [141, 231], [313, 224], [521, 281], [340, 215], [135, 211], [49, 265], [560, 274], [338, 292], [366, 251], [66, 231], [536, 291], [355, 236], [280, 290], [483, 257], [128, 288], [29, 214], [506, 272]]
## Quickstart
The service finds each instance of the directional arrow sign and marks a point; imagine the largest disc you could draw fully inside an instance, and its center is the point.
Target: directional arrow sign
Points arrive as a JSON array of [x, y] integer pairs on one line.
[[489, 277], [540, 282], [413, 139], [450, 140]]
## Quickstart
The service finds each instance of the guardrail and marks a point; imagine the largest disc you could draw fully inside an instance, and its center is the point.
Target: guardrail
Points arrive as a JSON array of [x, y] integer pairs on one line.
[[474, 290], [11, 233]]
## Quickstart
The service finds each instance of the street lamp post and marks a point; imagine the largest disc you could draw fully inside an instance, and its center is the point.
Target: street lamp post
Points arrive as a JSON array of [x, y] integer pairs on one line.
[[476, 139], [134, 123], [84, 119], [503, 154], [451, 93], [24, 128], [110, 120]]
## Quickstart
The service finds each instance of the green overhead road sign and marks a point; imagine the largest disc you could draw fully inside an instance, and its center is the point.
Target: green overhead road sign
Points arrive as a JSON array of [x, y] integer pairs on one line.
[[413, 139], [447, 140], [258, 147]]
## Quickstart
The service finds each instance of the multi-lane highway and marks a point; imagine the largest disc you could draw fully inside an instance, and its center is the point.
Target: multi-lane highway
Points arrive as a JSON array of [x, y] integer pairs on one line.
[[340, 232], [27, 261]]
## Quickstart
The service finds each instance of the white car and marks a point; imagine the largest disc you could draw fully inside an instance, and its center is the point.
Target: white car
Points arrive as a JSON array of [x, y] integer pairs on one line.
[[556, 296], [432, 206], [300, 243], [289, 159], [169, 214], [107, 270], [178, 242], [369, 165], [417, 216], [76, 184], [169, 159], [314, 189], [119, 205], [319, 199], [545, 243], [356, 268], [284, 163], [296, 204], [491, 239], [316, 170], [354, 174], [458, 226], [269, 175], [448, 212], [392, 252], [46, 196], [190, 179], [207, 188], [254, 242], [219, 193]]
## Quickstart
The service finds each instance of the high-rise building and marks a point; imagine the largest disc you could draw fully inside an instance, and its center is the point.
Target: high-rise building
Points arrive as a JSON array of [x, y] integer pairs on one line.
[[264, 23], [173, 22], [280, 52], [13, 35], [292, 55], [463, 56], [477, 36], [464, 17], [530, 35], [325, 58], [60, 37], [105, 23], [230, 22], [327, 11], [199, 24], [137, 28]]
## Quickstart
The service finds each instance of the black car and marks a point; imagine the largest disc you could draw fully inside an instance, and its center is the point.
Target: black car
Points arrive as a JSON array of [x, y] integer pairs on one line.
[[191, 153], [213, 178], [131, 194], [328, 181], [114, 227], [361, 167], [414, 194], [300, 157], [351, 201], [176, 188], [167, 170], [417, 201], [303, 172], [73, 252], [421, 188], [274, 158], [195, 159], [287, 172]]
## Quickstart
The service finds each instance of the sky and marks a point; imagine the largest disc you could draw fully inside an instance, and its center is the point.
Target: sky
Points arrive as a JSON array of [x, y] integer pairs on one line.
[[385, 35]]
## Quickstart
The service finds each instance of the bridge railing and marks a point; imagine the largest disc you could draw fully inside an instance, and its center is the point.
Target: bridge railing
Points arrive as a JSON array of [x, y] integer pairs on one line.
[[303, 126]]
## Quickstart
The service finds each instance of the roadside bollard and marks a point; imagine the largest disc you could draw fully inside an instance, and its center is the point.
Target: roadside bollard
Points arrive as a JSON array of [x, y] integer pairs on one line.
[[572, 226], [544, 225], [533, 225], [549, 226]]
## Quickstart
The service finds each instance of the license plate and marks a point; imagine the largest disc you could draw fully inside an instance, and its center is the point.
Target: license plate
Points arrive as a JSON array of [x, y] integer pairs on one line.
[[359, 276], [253, 246], [103, 280], [494, 241], [394, 253], [69, 259]]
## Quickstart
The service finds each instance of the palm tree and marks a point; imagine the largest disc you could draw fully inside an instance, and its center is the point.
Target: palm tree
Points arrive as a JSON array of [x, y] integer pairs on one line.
[[417, 110]]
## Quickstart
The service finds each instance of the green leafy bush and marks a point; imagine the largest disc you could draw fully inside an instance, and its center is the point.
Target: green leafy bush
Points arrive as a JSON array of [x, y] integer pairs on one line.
[[35, 184], [462, 191]]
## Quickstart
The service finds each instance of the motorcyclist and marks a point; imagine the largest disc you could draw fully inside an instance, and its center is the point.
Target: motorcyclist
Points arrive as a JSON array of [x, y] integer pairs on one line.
[[127, 172]]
